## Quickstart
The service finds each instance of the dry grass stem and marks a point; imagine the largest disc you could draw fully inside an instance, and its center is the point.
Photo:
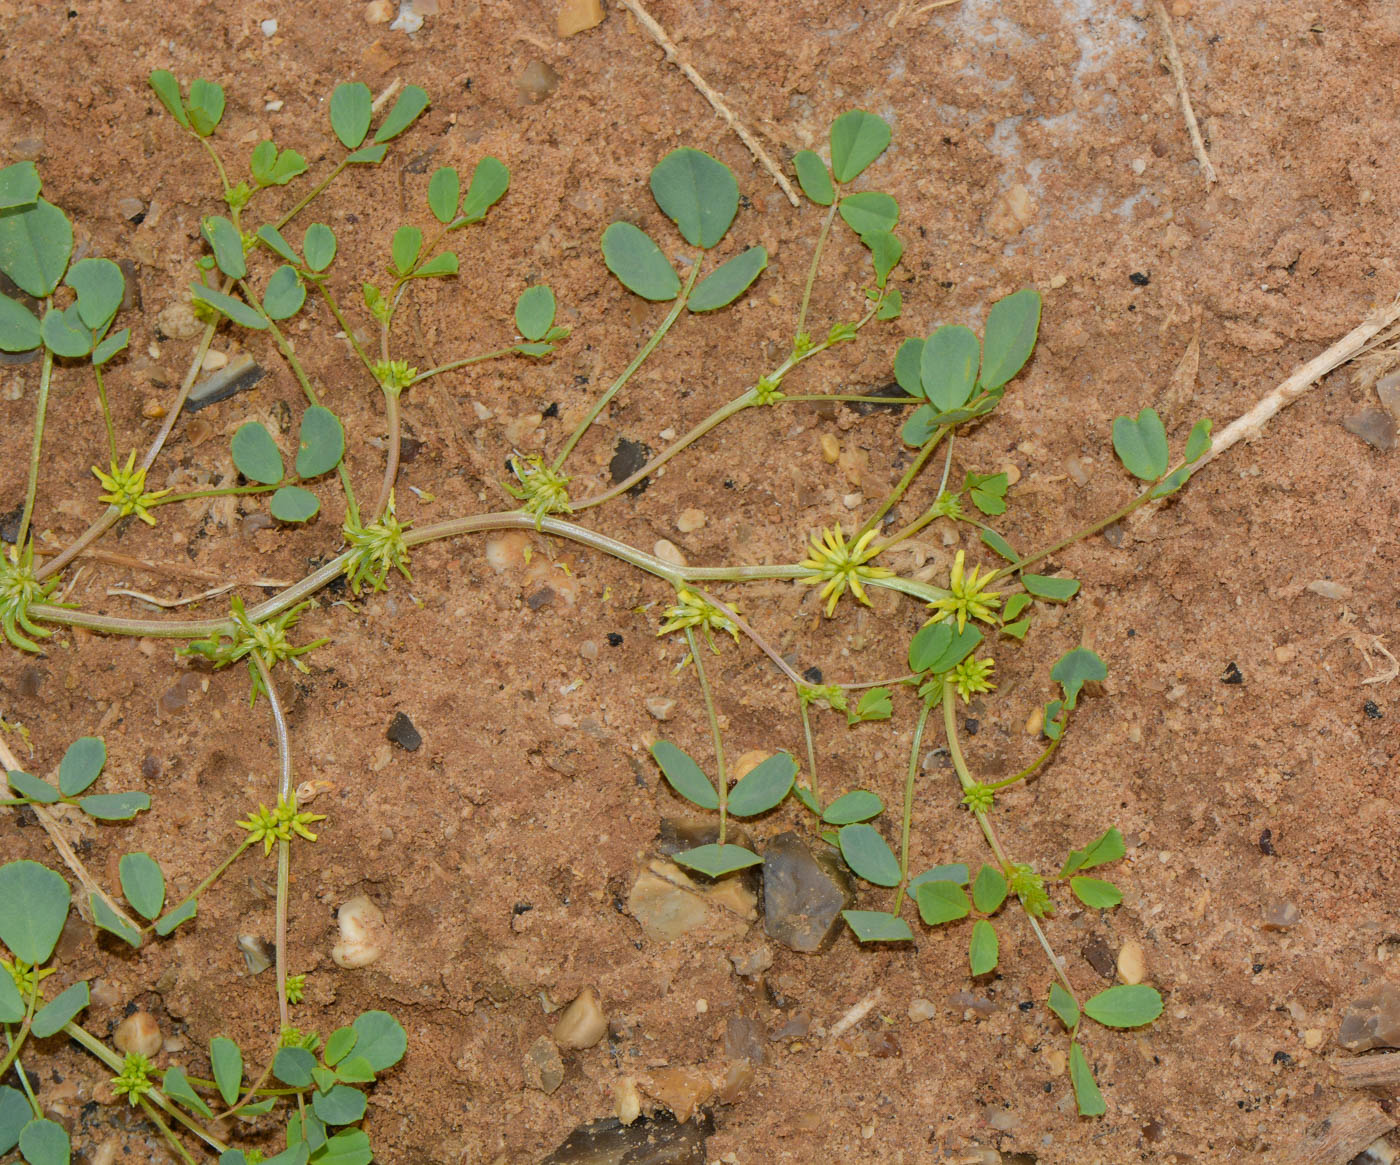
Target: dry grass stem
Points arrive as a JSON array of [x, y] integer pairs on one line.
[[1179, 76]]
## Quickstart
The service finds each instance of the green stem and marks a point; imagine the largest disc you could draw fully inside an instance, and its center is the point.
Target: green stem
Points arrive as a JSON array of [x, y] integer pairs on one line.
[[106, 413], [933, 512], [912, 677], [393, 417], [41, 409], [194, 894], [1030, 769], [344, 323], [909, 807], [285, 793], [231, 491], [315, 193], [219, 166], [28, 1088], [966, 780], [627, 373], [170, 1138], [817, 259], [1088, 532], [811, 756], [848, 398], [904, 482], [722, 781], [17, 1042], [455, 364], [115, 1063]]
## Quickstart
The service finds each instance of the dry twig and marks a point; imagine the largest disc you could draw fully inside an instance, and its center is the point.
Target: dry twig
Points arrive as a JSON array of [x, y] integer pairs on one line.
[[902, 10], [1342, 1135], [1368, 1071], [658, 34], [1179, 76]]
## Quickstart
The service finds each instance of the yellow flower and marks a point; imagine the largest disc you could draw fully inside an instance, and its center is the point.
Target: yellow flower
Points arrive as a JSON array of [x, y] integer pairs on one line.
[[973, 676], [967, 598], [126, 489], [838, 564], [691, 610]]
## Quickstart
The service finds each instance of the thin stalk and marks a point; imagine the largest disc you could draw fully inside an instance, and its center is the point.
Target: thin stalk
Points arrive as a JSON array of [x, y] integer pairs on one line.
[[763, 644], [966, 780], [170, 1138], [115, 1063], [904, 482], [452, 366], [931, 513], [344, 323], [106, 413], [24, 1083], [1088, 532], [846, 397], [1031, 768], [744, 400], [811, 756], [393, 415], [816, 261], [17, 1043], [284, 847], [194, 894], [909, 679], [41, 409], [231, 491], [909, 807], [637, 361], [315, 193], [722, 781], [219, 166]]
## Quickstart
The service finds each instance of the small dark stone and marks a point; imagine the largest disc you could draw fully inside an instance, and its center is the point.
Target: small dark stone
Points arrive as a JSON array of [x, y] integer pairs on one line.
[[31, 679], [151, 767], [131, 289], [893, 392], [541, 598], [419, 163], [1114, 534], [402, 733], [728, 483], [1266, 843], [1282, 1058], [629, 457], [1139, 279], [1232, 675], [1099, 955], [552, 410], [614, 639], [813, 675], [409, 448], [238, 375], [9, 525], [521, 908], [1372, 710], [1258, 968], [656, 1140], [804, 893], [1026, 1004], [678, 834], [971, 726]]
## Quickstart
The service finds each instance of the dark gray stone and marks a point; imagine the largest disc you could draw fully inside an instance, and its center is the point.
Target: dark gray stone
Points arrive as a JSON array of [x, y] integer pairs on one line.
[[1372, 1021], [804, 892], [659, 1140]]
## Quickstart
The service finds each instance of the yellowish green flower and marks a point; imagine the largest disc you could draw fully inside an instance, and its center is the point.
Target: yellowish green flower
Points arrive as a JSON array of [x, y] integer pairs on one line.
[[296, 988], [691, 610], [973, 676], [377, 547], [838, 564], [272, 825], [26, 977], [394, 375], [543, 490], [967, 598], [1029, 887], [135, 1079], [19, 589], [126, 489], [979, 797]]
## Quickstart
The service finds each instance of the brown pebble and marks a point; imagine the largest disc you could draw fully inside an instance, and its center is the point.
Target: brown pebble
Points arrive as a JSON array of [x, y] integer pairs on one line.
[[537, 82], [379, 12], [576, 16], [583, 1022], [138, 1033]]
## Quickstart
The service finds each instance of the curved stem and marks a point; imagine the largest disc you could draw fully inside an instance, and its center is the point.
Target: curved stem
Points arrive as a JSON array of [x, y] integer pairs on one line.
[[41, 409], [747, 628], [816, 260], [218, 165], [1030, 769], [453, 365], [284, 847], [811, 756], [904, 482], [647, 349], [393, 415], [909, 807], [194, 894], [344, 323], [722, 781], [315, 193], [106, 413], [165, 1131]]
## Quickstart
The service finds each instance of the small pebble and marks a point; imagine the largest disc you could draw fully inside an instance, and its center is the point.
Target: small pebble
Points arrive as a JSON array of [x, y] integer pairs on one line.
[[1372, 1021], [379, 12], [744, 1037], [629, 457], [257, 952], [1077, 471], [583, 1022], [1280, 915], [507, 551], [588, 649], [1139, 165], [831, 448], [214, 360], [1058, 281], [668, 551], [537, 82], [1013, 473], [1035, 722], [130, 208], [690, 520], [921, 1010], [139, 1033], [544, 1069], [627, 1101], [27, 149], [364, 935], [177, 321], [1285, 653], [274, 106], [1374, 426], [269, 27], [576, 16], [1132, 962], [403, 733], [661, 707], [1329, 589]]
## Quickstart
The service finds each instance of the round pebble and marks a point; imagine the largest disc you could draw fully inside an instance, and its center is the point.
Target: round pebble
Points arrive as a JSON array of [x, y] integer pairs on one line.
[[139, 1033], [668, 551], [661, 707], [269, 27], [690, 520], [379, 12], [921, 1010], [1132, 962]]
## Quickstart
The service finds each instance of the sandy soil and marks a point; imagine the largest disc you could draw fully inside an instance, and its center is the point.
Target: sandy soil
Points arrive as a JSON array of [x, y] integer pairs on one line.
[[532, 789]]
